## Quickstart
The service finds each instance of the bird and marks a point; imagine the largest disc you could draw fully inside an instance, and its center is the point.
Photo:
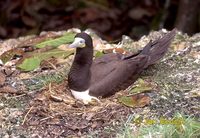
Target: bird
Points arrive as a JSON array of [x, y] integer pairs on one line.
[[89, 79]]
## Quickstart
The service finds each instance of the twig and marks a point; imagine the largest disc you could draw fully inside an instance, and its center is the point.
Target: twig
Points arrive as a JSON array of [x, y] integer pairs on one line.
[[46, 118], [50, 90], [27, 115], [52, 65], [18, 96]]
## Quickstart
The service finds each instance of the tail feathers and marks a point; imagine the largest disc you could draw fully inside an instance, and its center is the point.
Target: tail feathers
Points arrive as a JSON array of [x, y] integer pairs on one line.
[[157, 49]]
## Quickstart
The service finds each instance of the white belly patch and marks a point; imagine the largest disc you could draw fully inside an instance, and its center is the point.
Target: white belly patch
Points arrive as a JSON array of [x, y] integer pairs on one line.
[[83, 96]]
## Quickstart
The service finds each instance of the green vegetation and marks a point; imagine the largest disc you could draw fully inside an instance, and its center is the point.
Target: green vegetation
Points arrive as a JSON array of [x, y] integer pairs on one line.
[[65, 39], [178, 127], [33, 62], [41, 81]]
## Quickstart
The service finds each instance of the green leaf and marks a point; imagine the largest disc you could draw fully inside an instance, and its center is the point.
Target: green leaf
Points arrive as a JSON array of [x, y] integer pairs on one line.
[[57, 53], [140, 89], [137, 100], [141, 86], [98, 54], [30, 64], [65, 39], [33, 62], [127, 101]]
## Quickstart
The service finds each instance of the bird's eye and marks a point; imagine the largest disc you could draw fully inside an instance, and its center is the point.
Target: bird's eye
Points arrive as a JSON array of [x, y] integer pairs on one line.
[[81, 42]]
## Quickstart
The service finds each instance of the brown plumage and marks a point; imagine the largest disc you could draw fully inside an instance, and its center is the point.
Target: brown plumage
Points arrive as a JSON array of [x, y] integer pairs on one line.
[[112, 72]]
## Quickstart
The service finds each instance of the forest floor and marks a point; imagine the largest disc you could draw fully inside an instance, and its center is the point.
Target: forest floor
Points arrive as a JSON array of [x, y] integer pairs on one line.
[[38, 103]]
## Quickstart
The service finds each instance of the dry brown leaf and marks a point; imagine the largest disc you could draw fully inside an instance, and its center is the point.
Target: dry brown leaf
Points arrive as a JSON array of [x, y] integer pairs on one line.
[[55, 98], [25, 76], [8, 55], [141, 99], [8, 89], [137, 100], [8, 71], [2, 78]]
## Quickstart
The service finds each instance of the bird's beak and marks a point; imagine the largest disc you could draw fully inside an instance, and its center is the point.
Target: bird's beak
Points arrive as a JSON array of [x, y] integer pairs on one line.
[[74, 45], [78, 42]]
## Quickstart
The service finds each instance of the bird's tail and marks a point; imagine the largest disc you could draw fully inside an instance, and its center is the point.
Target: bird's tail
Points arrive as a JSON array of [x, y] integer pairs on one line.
[[157, 49]]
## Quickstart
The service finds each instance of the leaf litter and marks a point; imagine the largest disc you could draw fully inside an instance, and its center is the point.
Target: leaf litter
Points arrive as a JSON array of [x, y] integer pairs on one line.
[[46, 107], [33, 59]]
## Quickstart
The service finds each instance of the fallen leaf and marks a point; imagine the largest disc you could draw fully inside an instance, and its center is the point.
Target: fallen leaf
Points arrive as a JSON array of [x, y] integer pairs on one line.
[[8, 89], [33, 62], [50, 63], [141, 86], [65, 39], [38, 39], [25, 76], [137, 100], [8, 71], [56, 98], [64, 47], [2, 78], [30, 64], [98, 54], [8, 55]]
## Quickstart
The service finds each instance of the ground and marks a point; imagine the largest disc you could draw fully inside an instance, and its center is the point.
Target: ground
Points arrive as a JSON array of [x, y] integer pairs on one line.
[[38, 103]]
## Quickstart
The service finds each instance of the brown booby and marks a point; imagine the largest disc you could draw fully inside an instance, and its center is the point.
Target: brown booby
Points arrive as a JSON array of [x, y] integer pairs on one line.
[[89, 79]]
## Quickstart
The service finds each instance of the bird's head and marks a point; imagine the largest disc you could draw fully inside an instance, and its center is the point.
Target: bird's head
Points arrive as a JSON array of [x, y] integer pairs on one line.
[[81, 40]]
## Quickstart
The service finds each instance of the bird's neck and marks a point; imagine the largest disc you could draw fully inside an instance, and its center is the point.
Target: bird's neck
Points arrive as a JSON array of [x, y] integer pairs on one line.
[[83, 56], [80, 74]]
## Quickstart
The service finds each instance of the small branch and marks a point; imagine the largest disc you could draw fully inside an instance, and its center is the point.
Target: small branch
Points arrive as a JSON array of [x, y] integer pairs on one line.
[[27, 115]]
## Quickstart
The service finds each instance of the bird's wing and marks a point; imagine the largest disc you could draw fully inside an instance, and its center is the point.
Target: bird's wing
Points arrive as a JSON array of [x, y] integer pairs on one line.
[[102, 66], [115, 74], [108, 58], [158, 48]]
